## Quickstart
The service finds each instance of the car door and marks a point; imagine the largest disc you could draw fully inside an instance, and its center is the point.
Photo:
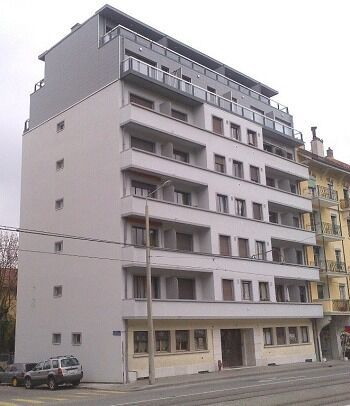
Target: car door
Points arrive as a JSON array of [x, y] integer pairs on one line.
[[35, 374], [5, 375], [45, 372]]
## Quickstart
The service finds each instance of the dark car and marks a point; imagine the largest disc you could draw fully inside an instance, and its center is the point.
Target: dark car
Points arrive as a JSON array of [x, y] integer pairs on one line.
[[14, 373]]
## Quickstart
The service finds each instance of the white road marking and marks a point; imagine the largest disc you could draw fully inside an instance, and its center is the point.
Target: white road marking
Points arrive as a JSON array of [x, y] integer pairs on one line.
[[229, 389], [30, 401]]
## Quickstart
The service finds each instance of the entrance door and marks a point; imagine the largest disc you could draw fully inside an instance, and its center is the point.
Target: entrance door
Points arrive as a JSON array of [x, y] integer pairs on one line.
[[231, 347]]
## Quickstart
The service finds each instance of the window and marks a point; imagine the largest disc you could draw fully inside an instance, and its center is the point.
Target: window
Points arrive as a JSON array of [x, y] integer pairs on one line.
[[296, 222], [300, 260], [302, 294], [254, 174], [225, 245], [243, 247], [59, 204], [60, 126], [227, 289], [264, 291], [140, 342], [279, 293], [186, 288], [281, 335], [334, 225], [237, 169], [338, 260], [142, 189], [293, 335], [260, 250], [342, 294], [235, 131], [268, 337], [268, 147], [270, 182], [277, 254], [293, 188], [320, 291], [220, 164], [164, 68], [59, 165], [304, 334], [162, 341], [76, 338], [142, 144], [47, 365], [140, 287], [56, 338], [57, 291], [257, 211], [141, 101], [247, 290], [55, 363], [184, 242], [252, 138], [221, 203], [240, 207], [200, 340], [182, 198], [138, 236], [273, 217], [181, 156], [218, 127], [58, 246], [178, 115], [182, 338], [186, 78]]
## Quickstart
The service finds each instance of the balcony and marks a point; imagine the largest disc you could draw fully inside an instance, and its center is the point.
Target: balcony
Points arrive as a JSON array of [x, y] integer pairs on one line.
[[333, 269], [327, 231], [322, 196], [139, 69], [185, 309], [345, 204], [195, 66], [335, 306], [162, 258]]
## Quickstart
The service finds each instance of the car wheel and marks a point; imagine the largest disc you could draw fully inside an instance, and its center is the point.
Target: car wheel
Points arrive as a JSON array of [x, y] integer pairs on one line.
[[14, 382], [51, 383], [28, 383], [76, 383]]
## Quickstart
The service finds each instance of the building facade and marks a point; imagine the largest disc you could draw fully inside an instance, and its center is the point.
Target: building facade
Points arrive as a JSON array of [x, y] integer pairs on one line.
[[122, 108], [328, 186]]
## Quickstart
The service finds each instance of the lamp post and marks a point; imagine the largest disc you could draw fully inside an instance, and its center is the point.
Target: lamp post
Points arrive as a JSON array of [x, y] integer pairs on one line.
[[151, 369]]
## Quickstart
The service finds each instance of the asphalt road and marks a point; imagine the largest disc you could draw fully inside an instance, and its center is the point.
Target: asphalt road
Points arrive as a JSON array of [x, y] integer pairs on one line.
[[323, 386]]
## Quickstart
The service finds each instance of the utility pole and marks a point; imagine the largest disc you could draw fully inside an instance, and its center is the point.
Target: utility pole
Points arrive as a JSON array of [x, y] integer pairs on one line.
[[151, 369]]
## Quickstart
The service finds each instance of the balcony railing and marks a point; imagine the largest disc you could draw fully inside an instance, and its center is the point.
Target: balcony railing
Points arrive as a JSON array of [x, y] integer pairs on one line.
[[201, 69], [26, 125], [322, 192], [132, 64], [330, 266], [327, 229], [345, 204], [341, 305]]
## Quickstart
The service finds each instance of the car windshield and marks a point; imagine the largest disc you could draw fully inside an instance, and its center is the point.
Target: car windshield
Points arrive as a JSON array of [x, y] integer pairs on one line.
[[69, 362], [30, 367]]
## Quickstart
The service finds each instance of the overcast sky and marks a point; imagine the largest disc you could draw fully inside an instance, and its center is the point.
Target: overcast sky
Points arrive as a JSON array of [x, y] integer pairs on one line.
[[299, 47]]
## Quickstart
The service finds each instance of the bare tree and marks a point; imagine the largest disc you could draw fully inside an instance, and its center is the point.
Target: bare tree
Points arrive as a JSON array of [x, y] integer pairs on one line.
[[8, 288]]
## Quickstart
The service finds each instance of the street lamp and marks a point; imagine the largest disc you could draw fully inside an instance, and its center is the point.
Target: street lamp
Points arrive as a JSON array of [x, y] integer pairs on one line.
[[151, 376]]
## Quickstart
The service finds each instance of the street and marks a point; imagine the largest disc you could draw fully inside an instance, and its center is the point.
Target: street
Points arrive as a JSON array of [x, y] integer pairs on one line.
[[324, 385]]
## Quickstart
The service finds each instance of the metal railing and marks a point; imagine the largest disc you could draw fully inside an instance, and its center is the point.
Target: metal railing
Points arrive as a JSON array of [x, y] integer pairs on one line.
[[330, 266], [39, 85], [322, 192], [341, 305], [132, 64], [345, 204], [327, 228], [197, 67], [26, 125]]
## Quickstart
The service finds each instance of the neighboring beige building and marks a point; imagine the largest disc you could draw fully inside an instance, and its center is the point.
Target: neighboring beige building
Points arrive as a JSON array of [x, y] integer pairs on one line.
[[329, 185], [122, 108]]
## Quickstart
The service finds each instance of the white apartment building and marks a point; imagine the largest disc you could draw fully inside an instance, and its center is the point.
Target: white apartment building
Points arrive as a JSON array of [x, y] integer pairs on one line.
[[122, 108]]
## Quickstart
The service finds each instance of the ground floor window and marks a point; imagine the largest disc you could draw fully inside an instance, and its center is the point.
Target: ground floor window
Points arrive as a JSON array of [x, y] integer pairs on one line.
[[293, 335], [182, 338], [304, 334], [268, 337], [162, 341], [140, 342], [200, 339], [281, 335]]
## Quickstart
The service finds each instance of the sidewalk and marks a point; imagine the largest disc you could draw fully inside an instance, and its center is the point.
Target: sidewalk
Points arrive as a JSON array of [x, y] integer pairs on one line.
[[235, 373]]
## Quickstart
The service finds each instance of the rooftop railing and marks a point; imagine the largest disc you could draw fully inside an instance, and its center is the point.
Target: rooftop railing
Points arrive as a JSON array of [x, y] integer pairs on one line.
[[26, 125], [201, 69], [39, 85], [179, 84]]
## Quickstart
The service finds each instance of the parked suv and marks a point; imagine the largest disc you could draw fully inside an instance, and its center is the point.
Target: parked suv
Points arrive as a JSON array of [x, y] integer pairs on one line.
[[55, 371], [14, 373]]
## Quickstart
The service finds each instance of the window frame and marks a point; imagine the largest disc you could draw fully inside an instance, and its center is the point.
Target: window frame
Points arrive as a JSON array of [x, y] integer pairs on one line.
[[58, 288], [227, 238], [296, 335], [240, 168], [254, 135], [240, 207], [159, 341], [284, 335], [304, 329], [222, 203], [75, 335], [257, 169], [268, 342], [219, 167], [144, 341], [246, 242], [197, 346], [232, 289], [149, 104], [181, 341], [56, 335], [250, 290], [264, 296], [260, 209], [235, 131]]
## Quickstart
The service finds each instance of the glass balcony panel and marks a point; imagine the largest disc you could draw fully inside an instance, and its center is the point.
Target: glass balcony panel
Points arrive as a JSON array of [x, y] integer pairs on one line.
[[244, 90], [278, 127], [248, 114], [259, 119], [225, 104], [200, 93], [268, 122], [288, 131]]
